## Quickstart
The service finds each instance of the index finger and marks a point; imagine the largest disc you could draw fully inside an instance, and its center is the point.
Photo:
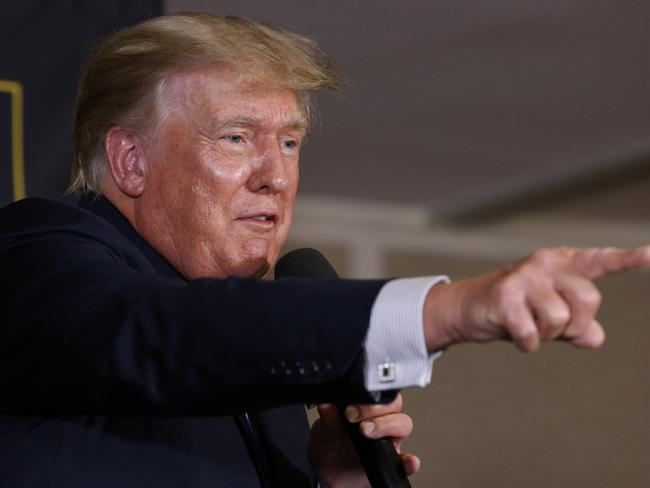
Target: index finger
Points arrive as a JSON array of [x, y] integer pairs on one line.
[[598, 262]]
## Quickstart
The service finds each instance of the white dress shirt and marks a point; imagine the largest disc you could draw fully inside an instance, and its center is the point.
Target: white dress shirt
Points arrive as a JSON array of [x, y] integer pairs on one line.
[[396, 353]]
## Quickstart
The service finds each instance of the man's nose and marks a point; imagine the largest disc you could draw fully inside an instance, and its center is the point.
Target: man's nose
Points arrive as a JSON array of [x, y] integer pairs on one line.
[[269, 172]]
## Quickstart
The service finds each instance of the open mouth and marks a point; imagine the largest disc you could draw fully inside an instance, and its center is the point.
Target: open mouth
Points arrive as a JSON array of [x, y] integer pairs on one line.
[[264, 218]]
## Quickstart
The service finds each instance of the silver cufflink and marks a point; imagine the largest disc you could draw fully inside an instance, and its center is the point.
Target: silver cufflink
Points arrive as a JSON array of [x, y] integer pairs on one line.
[[386, 372]]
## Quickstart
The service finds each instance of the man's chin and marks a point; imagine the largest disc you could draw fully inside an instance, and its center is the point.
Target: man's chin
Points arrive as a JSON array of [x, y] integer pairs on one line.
[[242, 266], [256, 259], [253, 260], [263, 270], [251, 268]]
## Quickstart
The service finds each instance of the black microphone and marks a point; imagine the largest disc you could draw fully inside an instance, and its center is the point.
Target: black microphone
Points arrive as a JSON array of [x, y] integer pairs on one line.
[[378, 456]]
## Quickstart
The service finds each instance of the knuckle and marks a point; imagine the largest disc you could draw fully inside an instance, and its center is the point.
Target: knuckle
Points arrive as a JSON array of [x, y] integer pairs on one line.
[[544, 256], [559, 316], [591, 298], [553, 322], [551, 256]]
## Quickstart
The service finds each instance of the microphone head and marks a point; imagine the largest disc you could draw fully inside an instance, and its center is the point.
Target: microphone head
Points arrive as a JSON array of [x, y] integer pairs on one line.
[[304, 263]]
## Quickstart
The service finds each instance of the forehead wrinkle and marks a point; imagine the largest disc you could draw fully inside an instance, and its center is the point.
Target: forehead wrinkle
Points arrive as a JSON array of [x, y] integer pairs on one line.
[[191, 93], [262, 111], [239, 121]]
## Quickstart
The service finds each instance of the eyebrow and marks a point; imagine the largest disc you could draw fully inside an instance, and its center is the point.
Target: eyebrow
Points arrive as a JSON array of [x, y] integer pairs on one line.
[[299, 123]]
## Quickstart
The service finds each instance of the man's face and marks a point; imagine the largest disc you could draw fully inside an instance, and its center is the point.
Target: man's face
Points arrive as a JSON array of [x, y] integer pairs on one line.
[[221, 175]]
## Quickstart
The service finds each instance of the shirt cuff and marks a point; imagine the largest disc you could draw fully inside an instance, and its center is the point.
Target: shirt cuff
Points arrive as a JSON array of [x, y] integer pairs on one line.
[[396, 353]]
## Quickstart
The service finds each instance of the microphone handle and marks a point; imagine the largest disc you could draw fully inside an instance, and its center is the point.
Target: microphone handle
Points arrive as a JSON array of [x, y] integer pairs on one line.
[[378, 457]]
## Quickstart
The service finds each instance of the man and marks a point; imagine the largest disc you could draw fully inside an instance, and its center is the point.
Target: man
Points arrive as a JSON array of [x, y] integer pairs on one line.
[[138, 346]]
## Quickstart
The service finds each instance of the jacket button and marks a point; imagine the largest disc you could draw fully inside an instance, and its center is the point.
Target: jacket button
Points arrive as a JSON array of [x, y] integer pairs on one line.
[[300, 368]]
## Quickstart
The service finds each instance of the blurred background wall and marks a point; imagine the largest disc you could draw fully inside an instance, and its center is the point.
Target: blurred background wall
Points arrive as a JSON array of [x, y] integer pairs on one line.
[[471, 134]]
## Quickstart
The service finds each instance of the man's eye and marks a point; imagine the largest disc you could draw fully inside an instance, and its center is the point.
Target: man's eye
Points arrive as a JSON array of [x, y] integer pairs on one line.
[[290, 144], [236, 139]]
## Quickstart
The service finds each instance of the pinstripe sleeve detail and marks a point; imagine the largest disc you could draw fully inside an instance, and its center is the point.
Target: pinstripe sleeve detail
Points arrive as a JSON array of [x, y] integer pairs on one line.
[[396, 355]]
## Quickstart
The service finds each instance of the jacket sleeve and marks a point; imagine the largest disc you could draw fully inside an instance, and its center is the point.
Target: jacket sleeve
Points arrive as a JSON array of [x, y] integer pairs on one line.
[[83, 332]]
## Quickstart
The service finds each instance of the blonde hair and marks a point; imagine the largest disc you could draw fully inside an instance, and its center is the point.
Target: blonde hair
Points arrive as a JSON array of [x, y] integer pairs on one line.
[[124, 76]]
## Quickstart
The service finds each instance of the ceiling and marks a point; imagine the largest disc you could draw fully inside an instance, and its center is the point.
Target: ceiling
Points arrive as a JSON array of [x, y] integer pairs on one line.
[[458, 106]]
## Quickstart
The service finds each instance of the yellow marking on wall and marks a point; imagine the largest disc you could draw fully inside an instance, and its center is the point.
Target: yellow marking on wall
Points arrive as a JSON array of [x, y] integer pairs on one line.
[[15, 90]]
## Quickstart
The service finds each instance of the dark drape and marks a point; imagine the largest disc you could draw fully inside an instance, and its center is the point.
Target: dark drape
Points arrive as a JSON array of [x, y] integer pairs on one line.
[[42, 48]]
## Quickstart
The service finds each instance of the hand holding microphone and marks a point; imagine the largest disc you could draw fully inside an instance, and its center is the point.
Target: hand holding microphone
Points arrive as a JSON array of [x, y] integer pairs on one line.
[[338, 456], [384, 426]]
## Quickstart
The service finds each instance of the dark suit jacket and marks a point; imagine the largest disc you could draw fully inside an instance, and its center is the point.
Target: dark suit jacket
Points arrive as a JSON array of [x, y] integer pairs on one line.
[[116, 372]]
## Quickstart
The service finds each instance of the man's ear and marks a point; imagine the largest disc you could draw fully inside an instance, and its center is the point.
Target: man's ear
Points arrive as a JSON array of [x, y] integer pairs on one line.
[[126, 161]]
